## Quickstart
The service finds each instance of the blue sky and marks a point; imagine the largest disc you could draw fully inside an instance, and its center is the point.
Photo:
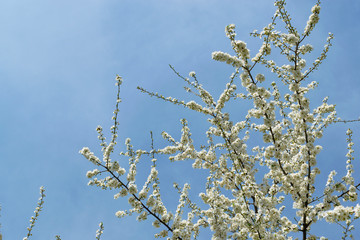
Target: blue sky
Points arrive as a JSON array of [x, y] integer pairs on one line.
[[58, 61]]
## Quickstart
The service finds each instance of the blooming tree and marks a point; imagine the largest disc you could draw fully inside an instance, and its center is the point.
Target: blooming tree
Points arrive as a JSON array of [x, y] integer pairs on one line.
[[248, 188]]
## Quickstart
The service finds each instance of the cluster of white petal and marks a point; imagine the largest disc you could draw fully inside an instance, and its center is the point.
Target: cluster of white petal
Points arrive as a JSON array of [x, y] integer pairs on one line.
[[225, 57], [313, 19]]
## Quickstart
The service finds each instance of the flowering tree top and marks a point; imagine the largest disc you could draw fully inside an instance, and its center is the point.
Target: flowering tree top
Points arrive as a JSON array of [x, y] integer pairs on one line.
[[265, 191]]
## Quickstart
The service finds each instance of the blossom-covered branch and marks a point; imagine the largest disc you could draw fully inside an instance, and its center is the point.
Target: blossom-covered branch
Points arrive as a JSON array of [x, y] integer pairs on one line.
[[249, 187]]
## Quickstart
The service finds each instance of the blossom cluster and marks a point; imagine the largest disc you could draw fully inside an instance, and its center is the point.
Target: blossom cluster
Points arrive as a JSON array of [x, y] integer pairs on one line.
[[227, 58]]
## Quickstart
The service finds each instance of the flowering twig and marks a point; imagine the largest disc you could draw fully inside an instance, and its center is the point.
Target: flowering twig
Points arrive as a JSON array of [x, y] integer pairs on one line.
[[37, 211]]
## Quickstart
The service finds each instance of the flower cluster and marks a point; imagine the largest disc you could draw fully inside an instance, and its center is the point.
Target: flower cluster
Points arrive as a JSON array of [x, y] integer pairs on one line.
[[313, 19], [225, 57]]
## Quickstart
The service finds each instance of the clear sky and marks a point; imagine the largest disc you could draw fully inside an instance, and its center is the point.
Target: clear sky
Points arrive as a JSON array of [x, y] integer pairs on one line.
[[58, 61]]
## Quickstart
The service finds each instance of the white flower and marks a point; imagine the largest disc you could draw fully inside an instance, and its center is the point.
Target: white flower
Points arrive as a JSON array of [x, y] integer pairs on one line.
[[132, 189], [357, 211], [156, 224], [194, 106], [123, 192], [290, 38], [192, 74], [120, 214], [260, 77]]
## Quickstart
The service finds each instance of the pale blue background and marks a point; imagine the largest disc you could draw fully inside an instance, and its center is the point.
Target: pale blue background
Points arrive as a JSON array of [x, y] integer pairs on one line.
[[58, 61]]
